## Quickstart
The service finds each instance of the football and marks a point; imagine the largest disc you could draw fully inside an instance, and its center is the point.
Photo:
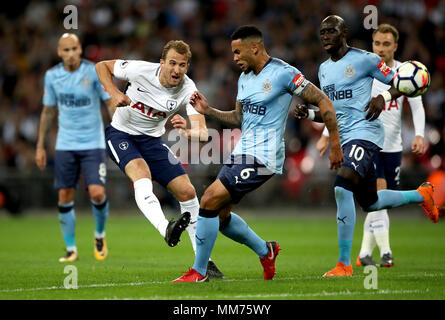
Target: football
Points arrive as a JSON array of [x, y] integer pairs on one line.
[[412, 79]]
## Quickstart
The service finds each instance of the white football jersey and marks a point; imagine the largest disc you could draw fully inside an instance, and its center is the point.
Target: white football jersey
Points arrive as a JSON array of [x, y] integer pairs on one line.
[[391, 116], [151, 103]]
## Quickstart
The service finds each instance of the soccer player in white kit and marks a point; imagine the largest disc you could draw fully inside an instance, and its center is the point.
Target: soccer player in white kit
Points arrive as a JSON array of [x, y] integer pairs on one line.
[[376, 226], [155, 91]]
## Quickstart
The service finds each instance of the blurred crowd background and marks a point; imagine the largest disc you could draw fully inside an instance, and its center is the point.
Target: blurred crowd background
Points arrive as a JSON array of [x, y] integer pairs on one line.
[[136, 29]]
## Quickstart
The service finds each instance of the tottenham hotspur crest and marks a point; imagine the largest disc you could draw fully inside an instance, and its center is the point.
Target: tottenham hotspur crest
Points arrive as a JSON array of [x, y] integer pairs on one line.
[[267, 87], [171, 104]]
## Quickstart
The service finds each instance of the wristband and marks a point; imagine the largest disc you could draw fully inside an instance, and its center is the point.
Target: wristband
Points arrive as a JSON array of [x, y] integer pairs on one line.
[[310, 114], [386, 95]]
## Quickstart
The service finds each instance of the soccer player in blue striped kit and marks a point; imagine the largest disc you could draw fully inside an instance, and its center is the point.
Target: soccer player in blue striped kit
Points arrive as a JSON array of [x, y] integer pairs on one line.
[[73, 86], [347, 77], [265, 90]]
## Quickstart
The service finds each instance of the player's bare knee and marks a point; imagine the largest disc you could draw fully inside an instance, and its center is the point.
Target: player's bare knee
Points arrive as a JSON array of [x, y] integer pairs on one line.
[[186, 193], [209, 201], [96, 192], [97, 197], [205, 199], [66, 196], [137, 169]]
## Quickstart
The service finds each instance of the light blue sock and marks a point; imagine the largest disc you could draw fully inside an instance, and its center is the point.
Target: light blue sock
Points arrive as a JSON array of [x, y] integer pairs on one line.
[[100, 211], [345, 223], [392, 198], [239, 231], [206, 233], [67, 219]]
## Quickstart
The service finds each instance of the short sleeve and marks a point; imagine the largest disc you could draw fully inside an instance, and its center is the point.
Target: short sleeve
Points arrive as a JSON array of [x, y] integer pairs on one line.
[[378, 68], [191, 88], [49, 95], [127, 69], [190, 110], [294, 80]]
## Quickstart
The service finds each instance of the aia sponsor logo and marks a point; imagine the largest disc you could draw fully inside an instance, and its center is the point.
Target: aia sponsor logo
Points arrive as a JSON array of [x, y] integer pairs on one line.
[[149, 111]]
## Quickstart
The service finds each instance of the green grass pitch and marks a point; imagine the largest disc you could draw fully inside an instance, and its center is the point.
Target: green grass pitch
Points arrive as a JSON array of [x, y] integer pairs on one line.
[[141, 266]]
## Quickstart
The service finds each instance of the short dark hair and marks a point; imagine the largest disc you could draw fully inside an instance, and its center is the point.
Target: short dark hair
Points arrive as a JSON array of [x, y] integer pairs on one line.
[[246, 31], [179, 46], [387, 28]]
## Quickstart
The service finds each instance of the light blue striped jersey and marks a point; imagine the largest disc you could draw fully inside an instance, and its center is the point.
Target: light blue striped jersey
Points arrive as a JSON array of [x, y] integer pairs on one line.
[[77, 95], [348, 83], [266, 98]]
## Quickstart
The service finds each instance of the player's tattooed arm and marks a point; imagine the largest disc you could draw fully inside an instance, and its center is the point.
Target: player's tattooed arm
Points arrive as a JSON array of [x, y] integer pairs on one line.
[[312, 95], [46, 120], [230, 118]]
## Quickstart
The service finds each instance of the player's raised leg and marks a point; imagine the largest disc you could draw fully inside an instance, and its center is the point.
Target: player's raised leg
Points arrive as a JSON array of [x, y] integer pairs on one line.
[[137, 170], [423, 196], [184, 192]]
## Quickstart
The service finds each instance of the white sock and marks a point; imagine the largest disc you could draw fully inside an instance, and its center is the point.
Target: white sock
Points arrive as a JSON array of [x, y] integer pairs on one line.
[[380, 227], [191, 206], [73, 249], [149, 204], [368, 242], [98, 235]]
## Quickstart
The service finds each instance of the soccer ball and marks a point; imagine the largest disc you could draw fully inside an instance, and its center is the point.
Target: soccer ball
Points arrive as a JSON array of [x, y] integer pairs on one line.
[[412, 79]]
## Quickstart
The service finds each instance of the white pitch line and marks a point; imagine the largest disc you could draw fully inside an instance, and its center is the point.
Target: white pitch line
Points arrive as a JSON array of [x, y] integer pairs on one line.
[[104, 285], [279, 295]]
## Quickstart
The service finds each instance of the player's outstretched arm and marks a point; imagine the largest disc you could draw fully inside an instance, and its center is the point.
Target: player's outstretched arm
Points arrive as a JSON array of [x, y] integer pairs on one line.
[[104, 71], [231, 118], [46, 120]]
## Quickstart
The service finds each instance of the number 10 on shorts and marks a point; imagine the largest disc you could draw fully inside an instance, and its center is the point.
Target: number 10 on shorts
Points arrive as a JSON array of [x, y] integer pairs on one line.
[[357, 152]]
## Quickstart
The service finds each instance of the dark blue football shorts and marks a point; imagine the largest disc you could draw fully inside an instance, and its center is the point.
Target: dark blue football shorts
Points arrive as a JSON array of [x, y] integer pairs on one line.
[[123, 147], [359, 156], [242, 175], [69, 164], [388, 167]]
